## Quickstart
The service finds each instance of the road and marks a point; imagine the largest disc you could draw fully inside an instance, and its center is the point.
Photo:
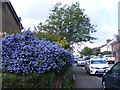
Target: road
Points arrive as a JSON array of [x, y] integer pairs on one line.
[[84, 80]]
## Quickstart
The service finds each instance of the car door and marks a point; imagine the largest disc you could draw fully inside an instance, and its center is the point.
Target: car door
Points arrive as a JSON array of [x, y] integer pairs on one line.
[[118, 75], [113, 77]]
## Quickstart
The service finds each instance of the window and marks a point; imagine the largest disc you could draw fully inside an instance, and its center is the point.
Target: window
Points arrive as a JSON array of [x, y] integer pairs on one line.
[[98, 62], [116, 68]]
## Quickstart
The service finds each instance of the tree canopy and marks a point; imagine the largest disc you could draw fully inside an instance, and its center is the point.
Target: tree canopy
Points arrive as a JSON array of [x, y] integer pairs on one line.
[[70, 23], [86, 51]]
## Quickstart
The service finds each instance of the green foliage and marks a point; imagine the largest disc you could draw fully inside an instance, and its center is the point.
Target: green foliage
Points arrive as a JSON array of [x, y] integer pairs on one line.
[[97, 53], [48, 36], [67, 81], [86, 51], [35, 80], [28, 81], [15, 32], [106, 52], [64, 44], [102, 53], [70, 23], [53, 37]]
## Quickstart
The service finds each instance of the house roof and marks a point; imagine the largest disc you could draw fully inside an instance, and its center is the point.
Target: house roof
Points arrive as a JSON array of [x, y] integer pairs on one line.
[[114, 42], [14, 14]]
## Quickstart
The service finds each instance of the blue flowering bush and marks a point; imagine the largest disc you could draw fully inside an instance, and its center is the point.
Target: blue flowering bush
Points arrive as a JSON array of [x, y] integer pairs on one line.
[[26, 54]]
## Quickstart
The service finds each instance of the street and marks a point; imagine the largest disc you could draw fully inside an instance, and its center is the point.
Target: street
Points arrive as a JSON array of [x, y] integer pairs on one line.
[[84, 80]]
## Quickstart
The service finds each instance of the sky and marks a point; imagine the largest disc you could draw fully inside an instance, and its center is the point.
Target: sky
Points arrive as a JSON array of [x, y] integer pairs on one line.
[[103, 13]]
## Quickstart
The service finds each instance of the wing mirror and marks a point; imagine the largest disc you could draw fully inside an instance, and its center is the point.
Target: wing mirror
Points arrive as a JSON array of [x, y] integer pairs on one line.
[[107, 70]]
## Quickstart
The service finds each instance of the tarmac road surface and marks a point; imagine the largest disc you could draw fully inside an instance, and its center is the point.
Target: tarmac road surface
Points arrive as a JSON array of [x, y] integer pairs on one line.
[[84, 80]]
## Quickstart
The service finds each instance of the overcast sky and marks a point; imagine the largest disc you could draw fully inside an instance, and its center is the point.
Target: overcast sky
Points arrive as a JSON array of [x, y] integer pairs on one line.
[[103, 13]]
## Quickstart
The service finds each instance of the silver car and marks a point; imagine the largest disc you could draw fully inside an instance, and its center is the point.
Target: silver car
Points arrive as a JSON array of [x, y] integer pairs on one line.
[[81, 62]]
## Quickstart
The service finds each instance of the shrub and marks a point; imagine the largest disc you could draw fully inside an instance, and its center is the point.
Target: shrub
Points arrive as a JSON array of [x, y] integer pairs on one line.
[[48, 36], [67, 80], [45, 80], [64, 44], [26, 54]]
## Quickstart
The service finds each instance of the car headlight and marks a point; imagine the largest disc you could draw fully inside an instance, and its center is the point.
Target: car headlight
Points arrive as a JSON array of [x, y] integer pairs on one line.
[[105, 67], [94, 67]]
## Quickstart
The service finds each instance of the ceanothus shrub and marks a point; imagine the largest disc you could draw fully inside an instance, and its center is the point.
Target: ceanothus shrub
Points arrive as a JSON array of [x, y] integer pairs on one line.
[[25, 54]]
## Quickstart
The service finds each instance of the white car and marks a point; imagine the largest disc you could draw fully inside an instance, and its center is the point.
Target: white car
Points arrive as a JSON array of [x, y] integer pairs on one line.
[[96, 66], [108, 57], [81, 62]]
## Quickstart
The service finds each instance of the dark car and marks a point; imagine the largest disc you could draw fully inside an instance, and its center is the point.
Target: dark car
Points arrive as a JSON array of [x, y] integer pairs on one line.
[[76, 59], [111, 79], [111, 61]]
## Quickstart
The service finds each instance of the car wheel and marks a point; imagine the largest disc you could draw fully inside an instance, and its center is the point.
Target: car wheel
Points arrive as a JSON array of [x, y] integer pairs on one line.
[[86, 70], [103, 85], [90, 73]]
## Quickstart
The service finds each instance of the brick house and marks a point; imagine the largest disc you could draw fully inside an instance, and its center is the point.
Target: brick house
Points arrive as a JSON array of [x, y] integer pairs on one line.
[[9, 21], [116, 48]]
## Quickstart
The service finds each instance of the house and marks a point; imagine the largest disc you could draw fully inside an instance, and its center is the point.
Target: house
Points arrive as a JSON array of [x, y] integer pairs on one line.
[[104, 47], [9, 21], [116, 48]]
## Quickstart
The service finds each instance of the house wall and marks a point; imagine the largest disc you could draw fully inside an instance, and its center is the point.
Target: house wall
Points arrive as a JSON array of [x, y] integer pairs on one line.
[[116, 50], [9, 23], [119, 30], [0, 16], [116, 46]]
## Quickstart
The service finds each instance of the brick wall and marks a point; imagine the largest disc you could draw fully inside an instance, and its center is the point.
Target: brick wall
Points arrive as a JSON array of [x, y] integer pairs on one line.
[[9, 23], [116, 50], [116, 46]]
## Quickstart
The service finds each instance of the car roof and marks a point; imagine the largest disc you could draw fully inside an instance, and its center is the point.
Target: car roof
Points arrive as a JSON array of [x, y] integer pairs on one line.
[[96, 59]]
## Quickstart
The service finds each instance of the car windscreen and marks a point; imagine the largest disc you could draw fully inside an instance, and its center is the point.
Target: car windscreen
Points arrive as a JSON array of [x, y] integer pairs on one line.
[[98, 62], [108, 56]]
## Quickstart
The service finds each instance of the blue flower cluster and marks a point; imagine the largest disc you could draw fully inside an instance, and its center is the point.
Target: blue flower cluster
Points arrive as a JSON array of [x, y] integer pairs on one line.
[[25, 54]]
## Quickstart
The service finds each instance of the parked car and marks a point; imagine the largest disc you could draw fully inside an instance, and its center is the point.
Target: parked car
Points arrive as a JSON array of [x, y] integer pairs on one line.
[[111, 79], [96, 66], [108, 57], [76, 59], [111, 61], [87, 62], [86, 57], [80, 62]]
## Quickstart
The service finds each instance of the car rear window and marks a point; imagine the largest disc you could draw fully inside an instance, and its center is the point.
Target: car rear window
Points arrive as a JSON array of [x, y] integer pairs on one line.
[[98, 62]]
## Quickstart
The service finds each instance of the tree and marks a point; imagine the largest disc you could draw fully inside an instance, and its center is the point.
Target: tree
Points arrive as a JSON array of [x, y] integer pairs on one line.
[[96, 53], [86, 51], [70, 23], [106, 52]]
